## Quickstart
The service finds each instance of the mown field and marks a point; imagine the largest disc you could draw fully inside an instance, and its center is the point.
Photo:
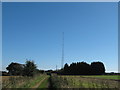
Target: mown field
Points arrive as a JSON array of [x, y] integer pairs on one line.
[[61, 81]]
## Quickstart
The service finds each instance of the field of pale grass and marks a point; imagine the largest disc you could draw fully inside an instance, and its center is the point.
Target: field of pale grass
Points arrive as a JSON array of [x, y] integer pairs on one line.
[[65, 81], [20, 81]]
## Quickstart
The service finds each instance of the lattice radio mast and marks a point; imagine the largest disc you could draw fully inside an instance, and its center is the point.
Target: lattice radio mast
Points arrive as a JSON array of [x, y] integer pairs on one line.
[[62, 62]]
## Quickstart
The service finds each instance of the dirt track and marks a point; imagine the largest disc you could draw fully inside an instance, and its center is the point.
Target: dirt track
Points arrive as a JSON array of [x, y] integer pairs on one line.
[[38, 84]]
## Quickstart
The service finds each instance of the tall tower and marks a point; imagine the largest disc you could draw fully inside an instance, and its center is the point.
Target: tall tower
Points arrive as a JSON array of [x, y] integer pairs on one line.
[[62, 62]]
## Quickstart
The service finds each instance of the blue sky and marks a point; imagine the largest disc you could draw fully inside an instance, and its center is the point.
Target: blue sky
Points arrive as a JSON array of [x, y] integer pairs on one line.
[[34, 31]]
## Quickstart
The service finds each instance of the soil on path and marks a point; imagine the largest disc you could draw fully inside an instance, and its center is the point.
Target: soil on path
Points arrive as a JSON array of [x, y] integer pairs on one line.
[[38, 84]]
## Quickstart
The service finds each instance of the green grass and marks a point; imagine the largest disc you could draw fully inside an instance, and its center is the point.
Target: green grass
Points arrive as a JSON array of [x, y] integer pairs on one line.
[[33, 82], [45, 83], [83, 82], [23, 81], [70, 81], [104, 76]]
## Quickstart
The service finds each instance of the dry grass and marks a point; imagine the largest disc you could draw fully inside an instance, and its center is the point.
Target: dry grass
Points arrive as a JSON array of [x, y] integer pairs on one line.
[[7, 77], [11, 81], [82, 82], [20, 81], [0, 82]]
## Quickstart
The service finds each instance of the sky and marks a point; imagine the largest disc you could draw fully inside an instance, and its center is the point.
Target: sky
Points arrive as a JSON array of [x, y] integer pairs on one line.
[[0, 36], [33, 31], [60, 0]]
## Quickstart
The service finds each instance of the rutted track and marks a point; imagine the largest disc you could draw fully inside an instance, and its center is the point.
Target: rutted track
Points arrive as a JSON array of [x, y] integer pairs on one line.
[[38, 84], [41, 83]]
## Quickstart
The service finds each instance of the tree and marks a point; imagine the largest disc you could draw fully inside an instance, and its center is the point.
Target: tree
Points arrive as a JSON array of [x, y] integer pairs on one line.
[[30, 68], [98, 68], [15, 69], [66, 69], [73, 68], [82, 68]]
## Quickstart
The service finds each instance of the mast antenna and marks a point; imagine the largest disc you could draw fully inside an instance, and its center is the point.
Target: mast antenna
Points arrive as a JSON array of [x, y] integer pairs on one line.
[[62, 63]]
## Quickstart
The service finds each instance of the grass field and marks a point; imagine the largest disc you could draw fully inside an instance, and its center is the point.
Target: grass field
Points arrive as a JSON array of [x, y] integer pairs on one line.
[[22, 82], [116, 77], [84, 82], [0, 82], [63, 81]]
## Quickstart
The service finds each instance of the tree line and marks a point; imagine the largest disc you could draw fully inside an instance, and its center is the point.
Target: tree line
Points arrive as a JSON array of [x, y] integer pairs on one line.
[[79, 68], [82, 68], [27, 69]]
